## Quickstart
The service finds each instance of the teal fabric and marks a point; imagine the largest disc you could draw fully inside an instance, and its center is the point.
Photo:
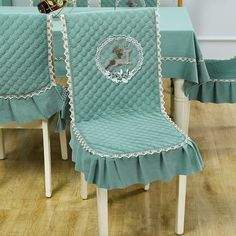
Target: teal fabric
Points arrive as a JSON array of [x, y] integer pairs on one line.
[[26, 90], [82, 3], [123, 3], [120, 119], [120, 173], [5, 3], [222, 87], [178, 40]]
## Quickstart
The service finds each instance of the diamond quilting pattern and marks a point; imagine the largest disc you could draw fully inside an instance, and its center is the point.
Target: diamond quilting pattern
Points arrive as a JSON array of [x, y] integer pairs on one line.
[[125, 133], [96, 95], [23, 54]]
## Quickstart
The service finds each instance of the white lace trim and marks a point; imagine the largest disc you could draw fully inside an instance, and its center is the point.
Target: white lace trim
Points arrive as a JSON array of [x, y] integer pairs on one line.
[[121, 76], [59, 59], [50, 68], [223, 80], [31, 2], [76, 131], [158, 3], [182, 59]]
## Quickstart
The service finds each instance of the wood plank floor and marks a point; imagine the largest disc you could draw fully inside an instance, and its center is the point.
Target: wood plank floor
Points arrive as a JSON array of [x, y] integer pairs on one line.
[[211, 194]]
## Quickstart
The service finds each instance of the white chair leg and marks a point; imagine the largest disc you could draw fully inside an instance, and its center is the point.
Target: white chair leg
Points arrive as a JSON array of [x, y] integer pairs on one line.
[[102, 205], [63, 143], [182, 105], [47, 159], [2, 148], [146, 187], [83, 187], [179, 228]]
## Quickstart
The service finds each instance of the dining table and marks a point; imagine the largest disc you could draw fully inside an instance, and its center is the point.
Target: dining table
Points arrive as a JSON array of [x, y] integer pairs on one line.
[[181, 57]]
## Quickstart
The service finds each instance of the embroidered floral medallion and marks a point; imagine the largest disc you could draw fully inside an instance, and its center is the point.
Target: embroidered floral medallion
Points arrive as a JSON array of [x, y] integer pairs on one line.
[[119, 58]]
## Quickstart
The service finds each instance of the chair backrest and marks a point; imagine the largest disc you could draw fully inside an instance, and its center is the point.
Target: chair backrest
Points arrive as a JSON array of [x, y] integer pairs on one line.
[[5, 3], [113, 62], [26, 65], [128, 3]]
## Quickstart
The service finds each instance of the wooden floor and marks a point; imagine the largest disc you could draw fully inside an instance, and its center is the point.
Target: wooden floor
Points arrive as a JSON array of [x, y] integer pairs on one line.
[[211, 194]]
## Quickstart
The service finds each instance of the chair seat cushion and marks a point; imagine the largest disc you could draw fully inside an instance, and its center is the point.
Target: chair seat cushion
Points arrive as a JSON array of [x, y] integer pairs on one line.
[[131, 133], [168, 151]]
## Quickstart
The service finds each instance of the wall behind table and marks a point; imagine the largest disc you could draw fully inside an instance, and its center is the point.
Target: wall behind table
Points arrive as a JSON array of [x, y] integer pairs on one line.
[[214, 23]]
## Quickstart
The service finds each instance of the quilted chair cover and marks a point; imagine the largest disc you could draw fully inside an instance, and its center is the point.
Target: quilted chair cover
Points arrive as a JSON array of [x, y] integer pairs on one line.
[[121, 134], [27, 88], [222, 87], [5, 3], [128, 3]]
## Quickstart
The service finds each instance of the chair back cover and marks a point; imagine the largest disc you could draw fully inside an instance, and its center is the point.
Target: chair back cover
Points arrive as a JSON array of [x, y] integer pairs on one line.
[[25, 60], [27, 87], [122, 75], [127, 3], [5, 3]]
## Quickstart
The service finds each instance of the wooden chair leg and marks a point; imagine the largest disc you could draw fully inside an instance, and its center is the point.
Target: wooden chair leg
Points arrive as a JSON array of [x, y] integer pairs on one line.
[[47, 159], [102, 205], [146, 187], [179, 228], [2, 148], [63, 144], [83, 187]]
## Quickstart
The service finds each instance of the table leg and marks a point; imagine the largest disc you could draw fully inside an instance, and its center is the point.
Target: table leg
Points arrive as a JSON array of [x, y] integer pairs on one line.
[[181, 106], [182, 110], [2, 148]]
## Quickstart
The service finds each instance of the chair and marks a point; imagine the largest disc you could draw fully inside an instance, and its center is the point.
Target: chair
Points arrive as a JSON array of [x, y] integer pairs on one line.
[[29, 95], [222, 87], [5, 3], [120, 133]]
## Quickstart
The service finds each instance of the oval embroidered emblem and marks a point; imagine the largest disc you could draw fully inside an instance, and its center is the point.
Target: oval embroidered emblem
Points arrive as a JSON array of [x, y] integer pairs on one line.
[[119, 58]]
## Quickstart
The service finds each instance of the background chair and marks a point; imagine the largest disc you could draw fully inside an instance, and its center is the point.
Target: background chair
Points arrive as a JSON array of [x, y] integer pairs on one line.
[[222, 87], [29, 95], [5, 3], [120, 133]]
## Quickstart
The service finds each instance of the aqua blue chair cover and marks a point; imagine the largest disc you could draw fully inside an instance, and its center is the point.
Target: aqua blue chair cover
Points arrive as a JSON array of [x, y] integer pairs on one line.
[[222, 87], [5, 2], [121, 134], [27, 87], [128, 3]]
